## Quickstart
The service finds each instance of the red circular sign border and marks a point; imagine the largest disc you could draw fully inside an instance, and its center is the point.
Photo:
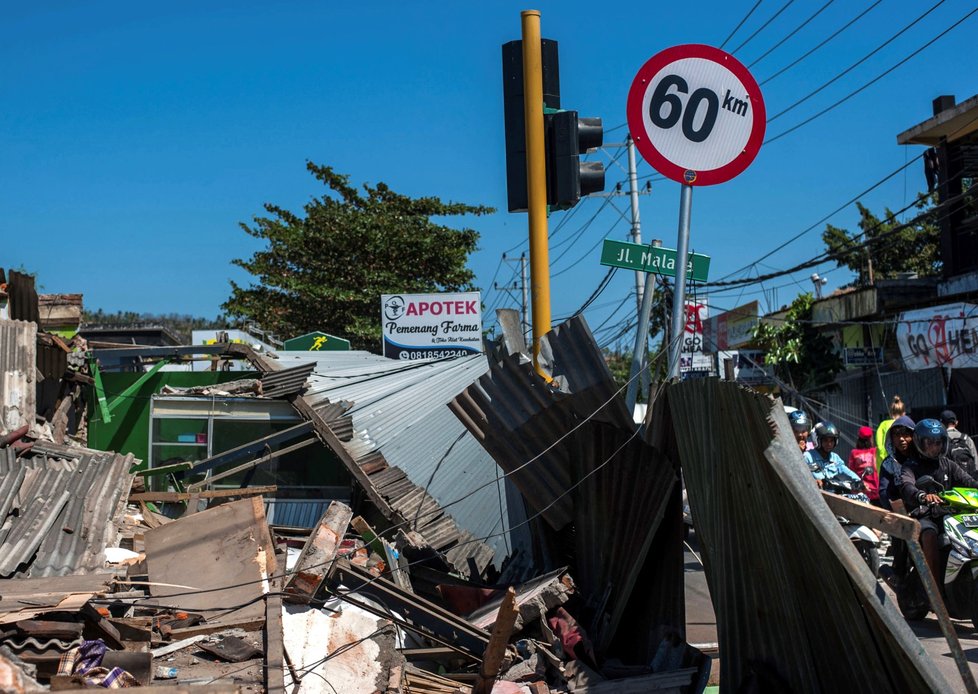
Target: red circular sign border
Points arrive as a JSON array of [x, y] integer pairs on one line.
[[636, 124]]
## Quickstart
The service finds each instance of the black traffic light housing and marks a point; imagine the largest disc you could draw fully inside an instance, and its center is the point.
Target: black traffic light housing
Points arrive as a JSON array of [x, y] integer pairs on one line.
[[568, 178], [567, 136]]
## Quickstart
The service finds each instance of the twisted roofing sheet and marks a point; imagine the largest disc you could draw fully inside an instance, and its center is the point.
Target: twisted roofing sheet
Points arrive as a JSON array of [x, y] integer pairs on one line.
[[59, 519], [399, 411]]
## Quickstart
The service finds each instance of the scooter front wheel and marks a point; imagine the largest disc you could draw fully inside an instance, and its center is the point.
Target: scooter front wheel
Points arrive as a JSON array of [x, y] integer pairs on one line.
[[871, 556]]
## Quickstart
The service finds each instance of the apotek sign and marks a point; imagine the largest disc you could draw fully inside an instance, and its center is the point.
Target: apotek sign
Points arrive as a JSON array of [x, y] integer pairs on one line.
[[426, 326], [696, 114]]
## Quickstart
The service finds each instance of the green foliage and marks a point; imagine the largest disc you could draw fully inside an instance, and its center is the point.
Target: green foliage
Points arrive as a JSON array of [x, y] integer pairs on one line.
[[180, 325], [327, 269], [802, 356], [913, 249]]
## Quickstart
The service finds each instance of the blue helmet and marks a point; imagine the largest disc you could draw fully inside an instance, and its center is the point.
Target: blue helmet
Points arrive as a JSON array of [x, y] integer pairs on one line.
[[799, 422], [930, 438]]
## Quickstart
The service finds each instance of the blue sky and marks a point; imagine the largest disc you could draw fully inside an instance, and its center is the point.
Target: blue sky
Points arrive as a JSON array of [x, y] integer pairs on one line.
[[135, 137]]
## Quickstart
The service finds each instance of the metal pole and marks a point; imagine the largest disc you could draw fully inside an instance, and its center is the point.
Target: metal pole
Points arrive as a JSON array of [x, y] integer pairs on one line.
[[679, 293], [641, 352], [636, 221], [536, 180], [526, 323]]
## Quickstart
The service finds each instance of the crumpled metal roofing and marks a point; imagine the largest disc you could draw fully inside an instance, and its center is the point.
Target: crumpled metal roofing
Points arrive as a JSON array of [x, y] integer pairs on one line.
[[18, 374], [60, 518], [796, 606], [417, 454], [579, 463]]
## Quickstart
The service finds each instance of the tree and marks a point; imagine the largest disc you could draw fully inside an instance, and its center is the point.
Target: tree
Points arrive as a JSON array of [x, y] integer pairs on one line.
[[327, 269], [914, 248], [802, 357]]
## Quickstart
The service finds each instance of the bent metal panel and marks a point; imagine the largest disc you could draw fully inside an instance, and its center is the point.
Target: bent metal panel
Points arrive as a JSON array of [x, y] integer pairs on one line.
[[426, 326]]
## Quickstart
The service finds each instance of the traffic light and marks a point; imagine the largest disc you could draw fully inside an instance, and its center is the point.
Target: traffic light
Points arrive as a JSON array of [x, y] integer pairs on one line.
[[568, 178], [513, 113], [567, 135]]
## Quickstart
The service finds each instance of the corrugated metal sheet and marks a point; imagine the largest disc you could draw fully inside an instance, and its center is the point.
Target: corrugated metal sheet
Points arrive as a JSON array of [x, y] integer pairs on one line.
[[60, 518], [418, 456], [791, 594], [578, 461], [288, 381], [22, 297], [296, 513], [18, 374]]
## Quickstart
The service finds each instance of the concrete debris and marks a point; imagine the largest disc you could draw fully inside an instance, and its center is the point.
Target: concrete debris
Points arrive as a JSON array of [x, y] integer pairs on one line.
[[175, 576]]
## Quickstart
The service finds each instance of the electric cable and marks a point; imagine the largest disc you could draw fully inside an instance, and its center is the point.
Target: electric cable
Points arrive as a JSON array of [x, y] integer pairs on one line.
[[859, 62], [762, 27], [790, 34], [740, 24]]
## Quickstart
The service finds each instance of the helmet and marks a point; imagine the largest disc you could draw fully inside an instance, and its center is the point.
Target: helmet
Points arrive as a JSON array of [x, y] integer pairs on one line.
[[825, 430], [930, 438], [799, 422]]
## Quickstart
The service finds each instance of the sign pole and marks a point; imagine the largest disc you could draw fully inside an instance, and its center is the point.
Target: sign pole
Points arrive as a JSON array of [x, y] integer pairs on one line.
[[679, 293], [640, 355], [536, 181]]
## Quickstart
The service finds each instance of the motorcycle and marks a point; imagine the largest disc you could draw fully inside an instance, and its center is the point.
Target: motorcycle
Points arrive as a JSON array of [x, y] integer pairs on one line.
[[959, 546], [864, 539]]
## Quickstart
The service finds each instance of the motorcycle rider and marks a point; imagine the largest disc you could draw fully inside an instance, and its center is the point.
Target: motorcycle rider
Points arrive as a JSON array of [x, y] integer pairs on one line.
[[826, 464], [801, 427], [898, 448], [931, 441]]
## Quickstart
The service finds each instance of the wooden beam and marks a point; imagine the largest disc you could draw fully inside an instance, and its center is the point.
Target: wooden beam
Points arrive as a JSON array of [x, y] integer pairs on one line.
[[492, 661], [318, 553], [274, 641], [206, 494]]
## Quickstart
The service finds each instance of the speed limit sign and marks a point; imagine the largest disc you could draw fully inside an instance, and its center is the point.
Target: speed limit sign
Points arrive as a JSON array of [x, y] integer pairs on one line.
[[696, 114]]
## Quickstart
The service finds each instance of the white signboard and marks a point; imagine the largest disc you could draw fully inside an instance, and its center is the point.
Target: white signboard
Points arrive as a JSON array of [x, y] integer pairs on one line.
[[696, 114], [431, 326], [939, 336]]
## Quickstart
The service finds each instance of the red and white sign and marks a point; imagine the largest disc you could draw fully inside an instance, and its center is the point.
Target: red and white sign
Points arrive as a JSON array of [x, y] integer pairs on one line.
[[696, 114], [939, 336]]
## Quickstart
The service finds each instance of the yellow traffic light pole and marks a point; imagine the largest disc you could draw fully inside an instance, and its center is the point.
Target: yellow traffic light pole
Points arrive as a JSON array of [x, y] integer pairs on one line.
[[536, 181]]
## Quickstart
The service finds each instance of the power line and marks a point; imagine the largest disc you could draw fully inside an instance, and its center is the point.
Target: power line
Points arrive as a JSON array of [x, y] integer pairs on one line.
[[740, 24], [875, 79], [859, 62], [762, 27], [790, 34], [825, 41]]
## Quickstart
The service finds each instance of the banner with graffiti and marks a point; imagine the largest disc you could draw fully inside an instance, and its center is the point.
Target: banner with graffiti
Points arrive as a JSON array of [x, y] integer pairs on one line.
[[693, 358], [939, 336]]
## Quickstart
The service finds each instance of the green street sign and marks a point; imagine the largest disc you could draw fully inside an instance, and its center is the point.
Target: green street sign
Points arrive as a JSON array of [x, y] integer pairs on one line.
[[661, 261], [316, 342]]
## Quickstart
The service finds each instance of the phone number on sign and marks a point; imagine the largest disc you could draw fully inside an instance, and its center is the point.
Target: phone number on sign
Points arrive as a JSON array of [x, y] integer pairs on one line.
[[434, 354]]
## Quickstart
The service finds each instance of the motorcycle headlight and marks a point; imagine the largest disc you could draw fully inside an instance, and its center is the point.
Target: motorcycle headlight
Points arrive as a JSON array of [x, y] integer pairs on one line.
[[972, 545]]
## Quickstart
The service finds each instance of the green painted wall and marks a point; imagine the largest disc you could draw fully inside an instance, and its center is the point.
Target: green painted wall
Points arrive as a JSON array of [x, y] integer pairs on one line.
[[128, 432]]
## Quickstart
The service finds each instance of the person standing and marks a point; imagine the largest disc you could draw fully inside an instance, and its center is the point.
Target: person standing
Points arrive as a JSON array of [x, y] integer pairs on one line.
[[862, 461], [897, 409], [961, 449]]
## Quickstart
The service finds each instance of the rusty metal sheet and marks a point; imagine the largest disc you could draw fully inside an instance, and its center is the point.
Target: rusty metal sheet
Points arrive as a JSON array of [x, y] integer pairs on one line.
[[791, 594]]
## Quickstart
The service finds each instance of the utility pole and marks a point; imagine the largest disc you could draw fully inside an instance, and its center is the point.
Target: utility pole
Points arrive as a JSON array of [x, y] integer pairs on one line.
[[522, 286], [536, 177], [636, 220]]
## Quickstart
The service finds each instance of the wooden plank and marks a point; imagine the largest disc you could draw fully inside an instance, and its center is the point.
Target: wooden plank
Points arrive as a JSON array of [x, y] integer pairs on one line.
[[217, 551], [206, 494], [51, 629], [318, 553], [492, 661], [274, 642], [212, 628]]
